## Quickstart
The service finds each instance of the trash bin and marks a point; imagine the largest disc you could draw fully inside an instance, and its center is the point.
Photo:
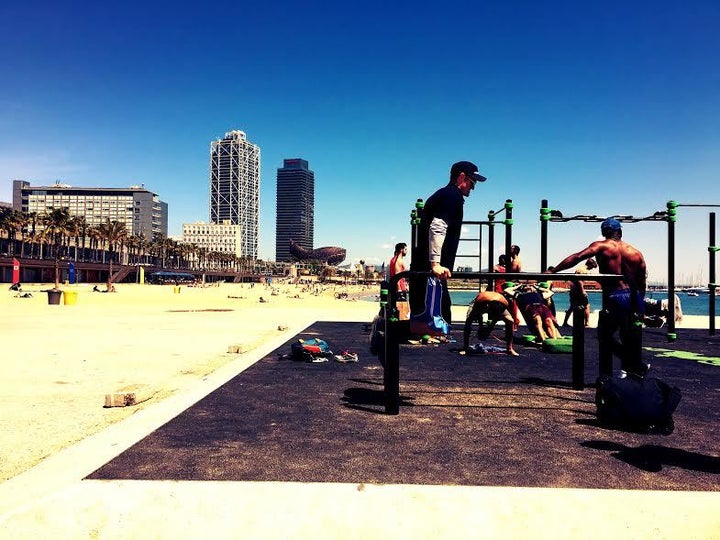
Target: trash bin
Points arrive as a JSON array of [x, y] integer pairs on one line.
[[70, 298], [54, 297]]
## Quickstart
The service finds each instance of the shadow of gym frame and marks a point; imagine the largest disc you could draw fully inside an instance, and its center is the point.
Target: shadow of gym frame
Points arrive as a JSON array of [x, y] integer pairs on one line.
[[481, 420]]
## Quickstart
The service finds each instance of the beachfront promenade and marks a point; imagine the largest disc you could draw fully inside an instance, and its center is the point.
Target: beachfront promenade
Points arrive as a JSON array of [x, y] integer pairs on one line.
[[216, 454]]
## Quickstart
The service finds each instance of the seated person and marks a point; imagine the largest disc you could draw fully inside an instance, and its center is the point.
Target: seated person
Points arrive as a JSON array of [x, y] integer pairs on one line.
[[536, 312], [496, 307]]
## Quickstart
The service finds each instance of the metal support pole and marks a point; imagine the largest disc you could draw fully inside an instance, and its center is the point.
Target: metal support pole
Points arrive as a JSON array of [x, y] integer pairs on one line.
[[391, 350], [605, 340], [672, 216], [415, 217], [491, 248], [712, 285], [544, 218], [508, 230], [479, 255], [578, 348]]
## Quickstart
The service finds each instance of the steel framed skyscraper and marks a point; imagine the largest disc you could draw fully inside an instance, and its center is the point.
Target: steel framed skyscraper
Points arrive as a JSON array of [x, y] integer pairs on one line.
[[295, 207], [235, 187]]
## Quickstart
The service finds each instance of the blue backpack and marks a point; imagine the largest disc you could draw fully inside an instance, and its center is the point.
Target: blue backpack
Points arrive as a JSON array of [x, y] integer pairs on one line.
[[430, 322], [307, 350]]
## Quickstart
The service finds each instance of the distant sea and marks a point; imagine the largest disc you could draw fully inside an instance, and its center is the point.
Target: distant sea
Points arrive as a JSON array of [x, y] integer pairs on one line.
[[691, 305]]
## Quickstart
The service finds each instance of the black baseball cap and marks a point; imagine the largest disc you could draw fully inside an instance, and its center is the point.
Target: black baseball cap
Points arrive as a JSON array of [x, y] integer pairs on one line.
[[467, 167]]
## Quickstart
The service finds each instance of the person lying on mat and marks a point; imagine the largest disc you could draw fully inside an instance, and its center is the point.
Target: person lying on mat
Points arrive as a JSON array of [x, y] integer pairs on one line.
[[533, 305]]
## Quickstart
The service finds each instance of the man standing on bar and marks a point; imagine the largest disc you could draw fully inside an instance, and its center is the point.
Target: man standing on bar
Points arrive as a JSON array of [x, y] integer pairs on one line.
[[623, 299], [438, 234]]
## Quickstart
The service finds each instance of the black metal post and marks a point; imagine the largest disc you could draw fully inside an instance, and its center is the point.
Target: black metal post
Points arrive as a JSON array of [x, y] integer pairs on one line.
[[672, 216], [391, 348], [479, 255], [605, 339], [578, 348], [712, 284], [491, 248], [508, 230], [415, 217], [544, 218]]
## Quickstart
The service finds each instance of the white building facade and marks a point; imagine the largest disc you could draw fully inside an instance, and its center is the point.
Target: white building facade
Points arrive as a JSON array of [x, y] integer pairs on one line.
[[235, 187], [219, 237]]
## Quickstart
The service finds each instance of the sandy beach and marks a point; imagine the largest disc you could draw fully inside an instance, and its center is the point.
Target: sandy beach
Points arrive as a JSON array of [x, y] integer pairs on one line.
[[60, 361]]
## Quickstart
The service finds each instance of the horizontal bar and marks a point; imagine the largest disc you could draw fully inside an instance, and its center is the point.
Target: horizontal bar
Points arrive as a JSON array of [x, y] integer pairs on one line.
[[538, 276]]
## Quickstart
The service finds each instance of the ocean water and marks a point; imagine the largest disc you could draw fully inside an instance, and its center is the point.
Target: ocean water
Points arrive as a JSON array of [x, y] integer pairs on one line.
[[691, 305]]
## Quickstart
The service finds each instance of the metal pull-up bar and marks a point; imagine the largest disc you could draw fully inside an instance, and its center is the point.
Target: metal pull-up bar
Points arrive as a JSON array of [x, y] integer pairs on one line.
[[391, 348], [669, 215]]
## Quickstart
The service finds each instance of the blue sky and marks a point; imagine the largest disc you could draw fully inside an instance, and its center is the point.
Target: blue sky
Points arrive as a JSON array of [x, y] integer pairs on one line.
[[603, 108]]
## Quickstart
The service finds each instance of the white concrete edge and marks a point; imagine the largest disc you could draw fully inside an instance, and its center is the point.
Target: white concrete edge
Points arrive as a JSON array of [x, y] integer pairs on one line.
[[77, 461], [344, 510]]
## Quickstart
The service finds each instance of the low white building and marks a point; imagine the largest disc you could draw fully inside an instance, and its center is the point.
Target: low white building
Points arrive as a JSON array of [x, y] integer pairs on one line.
[[221, 237]]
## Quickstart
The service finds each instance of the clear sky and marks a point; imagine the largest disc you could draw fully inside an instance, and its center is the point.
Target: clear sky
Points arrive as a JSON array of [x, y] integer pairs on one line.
[[601, 107]]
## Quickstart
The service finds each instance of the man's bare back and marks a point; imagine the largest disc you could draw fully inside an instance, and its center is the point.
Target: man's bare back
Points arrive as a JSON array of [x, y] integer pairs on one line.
[[614, 257]]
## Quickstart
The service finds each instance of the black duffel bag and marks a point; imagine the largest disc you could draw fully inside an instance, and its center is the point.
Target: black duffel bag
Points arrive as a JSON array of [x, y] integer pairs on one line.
[[633, 403]]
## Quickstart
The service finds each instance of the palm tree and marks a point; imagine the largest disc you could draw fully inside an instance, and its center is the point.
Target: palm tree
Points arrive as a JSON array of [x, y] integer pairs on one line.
[[113, 233], [157, 248], [32, 220], [56, 225], [5, 224], [80, 230]]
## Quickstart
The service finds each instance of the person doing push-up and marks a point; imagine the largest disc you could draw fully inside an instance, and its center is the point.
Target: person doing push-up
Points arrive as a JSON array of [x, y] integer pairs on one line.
[[495, 305]]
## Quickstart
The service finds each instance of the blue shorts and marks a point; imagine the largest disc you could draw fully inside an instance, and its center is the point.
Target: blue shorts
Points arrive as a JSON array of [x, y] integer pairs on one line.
[[624, 302]]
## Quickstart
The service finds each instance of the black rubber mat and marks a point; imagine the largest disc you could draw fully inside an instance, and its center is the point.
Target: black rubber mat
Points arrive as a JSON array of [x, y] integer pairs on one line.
[[480, 420]]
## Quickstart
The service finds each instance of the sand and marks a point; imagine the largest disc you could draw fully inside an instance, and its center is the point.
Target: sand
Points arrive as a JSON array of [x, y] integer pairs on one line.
[[60, 361]]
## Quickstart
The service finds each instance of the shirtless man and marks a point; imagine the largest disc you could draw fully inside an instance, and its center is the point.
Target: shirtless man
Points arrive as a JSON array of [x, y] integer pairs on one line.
[[622, 299], [496, 307]]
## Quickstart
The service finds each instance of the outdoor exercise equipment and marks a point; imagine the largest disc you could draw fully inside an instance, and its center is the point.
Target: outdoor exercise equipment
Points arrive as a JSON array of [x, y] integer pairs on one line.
[[669, 216], [392, 330], [416, 216], [712, 285]]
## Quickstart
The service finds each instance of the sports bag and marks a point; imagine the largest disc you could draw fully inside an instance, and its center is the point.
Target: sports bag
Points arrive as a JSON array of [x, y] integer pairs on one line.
[[307, 350], [643, 404], [430, 321]]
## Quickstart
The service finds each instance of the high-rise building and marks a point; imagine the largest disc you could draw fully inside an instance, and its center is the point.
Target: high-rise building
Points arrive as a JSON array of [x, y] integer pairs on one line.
[[235, 187], [140, 210], [295, 207]]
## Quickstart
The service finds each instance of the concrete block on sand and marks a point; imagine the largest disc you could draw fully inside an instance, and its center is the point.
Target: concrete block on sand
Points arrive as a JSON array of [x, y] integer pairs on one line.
[[240, 348], [129, 395]]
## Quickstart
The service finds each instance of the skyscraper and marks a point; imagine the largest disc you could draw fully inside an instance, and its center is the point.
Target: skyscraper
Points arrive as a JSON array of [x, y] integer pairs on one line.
[[235, 187], [295, 207]]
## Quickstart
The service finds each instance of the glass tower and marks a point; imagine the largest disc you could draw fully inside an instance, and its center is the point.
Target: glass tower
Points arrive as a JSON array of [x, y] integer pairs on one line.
[[235, 187], [295, 207]]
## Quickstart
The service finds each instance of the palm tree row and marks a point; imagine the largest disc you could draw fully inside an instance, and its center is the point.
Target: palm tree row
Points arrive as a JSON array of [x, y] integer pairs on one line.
[[58, 235]]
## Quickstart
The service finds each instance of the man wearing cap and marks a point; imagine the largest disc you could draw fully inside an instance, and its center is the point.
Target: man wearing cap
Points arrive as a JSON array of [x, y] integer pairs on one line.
[[622, 299], [439, 234]]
